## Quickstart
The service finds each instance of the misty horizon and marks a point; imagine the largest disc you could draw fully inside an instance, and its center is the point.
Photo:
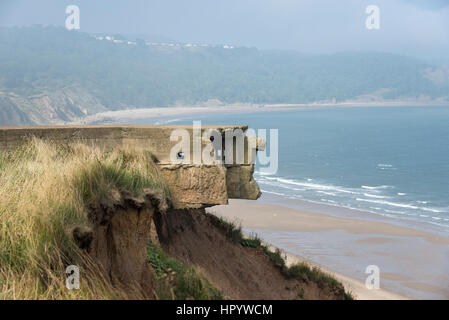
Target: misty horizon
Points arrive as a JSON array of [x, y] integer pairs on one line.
[[414, 28]]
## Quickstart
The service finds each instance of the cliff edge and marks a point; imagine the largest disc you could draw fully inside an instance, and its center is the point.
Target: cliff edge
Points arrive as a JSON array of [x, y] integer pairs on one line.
[[130, 222]]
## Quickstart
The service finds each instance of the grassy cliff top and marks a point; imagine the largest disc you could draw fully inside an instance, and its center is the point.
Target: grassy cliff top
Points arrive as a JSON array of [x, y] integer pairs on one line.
[[46, 190]]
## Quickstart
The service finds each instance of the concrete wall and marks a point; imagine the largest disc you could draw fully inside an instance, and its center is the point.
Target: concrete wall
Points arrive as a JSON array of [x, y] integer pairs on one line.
[[192, 185]]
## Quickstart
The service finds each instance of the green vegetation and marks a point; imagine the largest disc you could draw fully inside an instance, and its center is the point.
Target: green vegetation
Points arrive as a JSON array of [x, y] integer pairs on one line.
[[47, 190], [126, 172], [304, 272], [233, 230], [176, 281], [251, 243], [276, 258], [101, 75]]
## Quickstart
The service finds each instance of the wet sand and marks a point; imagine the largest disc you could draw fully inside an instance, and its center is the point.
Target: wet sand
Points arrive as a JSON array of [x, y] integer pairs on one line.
[[413, 263]]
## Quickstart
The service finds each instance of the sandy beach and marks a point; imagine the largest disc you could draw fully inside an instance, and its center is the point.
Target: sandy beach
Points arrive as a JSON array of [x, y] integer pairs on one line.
[[168, 114], [409, 260]]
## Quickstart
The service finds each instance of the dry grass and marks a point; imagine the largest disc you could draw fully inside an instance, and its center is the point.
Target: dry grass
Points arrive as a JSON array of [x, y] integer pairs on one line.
[[45, 191]]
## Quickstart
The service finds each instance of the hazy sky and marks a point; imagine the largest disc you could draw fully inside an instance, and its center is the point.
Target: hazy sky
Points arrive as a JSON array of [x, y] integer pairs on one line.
[[413, 26]]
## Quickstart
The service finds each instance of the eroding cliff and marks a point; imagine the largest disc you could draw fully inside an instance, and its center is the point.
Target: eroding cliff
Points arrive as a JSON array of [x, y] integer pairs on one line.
[[241, 268], [119, 237], [73, 205], [108, 201]]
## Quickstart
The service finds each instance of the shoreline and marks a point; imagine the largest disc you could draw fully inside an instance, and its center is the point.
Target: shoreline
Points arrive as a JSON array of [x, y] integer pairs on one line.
[[334, 210], [355, 287], [409, 259], [175, 113]]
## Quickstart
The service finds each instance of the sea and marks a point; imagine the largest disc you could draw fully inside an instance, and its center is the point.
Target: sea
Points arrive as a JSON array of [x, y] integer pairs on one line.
[[376, 163], [390, 161]]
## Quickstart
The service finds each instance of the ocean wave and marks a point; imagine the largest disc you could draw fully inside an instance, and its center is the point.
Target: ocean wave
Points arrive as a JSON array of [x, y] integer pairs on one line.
[[384, 202], [395, 211], [263, 173], [400, 205], [386, 167], [313, 186], [374, 196], [376, 188], [327, 193], [279, 185], [276, 193], [171, 120], [432, 210], [388, 203]]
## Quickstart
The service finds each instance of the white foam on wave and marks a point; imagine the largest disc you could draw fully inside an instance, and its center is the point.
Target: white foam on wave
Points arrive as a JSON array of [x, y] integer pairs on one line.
[[327, 193], [296, 189], [276, 193], [171, 120], [374, 196], [279, 185], [376, 188], [312, 186], [401, 205], [263, 173], [432, 210], [395, 211], [388, 203]]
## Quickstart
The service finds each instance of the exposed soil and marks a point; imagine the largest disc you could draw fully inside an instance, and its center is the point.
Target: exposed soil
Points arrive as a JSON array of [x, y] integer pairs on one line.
[[199, 239], [117, 241], [120, 232]]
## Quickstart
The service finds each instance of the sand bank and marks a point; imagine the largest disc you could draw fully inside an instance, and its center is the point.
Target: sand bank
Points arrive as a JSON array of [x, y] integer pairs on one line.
[[413, 263], [167, 114]]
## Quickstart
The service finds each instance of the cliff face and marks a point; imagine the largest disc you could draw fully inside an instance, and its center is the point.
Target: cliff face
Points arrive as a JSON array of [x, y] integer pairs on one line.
[[50, 106], [111, 191], [202, 240], [118, 239]]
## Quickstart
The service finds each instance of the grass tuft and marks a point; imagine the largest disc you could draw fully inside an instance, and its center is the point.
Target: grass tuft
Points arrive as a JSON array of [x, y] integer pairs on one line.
[[232, 229], [176, 281], [46, 190]]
